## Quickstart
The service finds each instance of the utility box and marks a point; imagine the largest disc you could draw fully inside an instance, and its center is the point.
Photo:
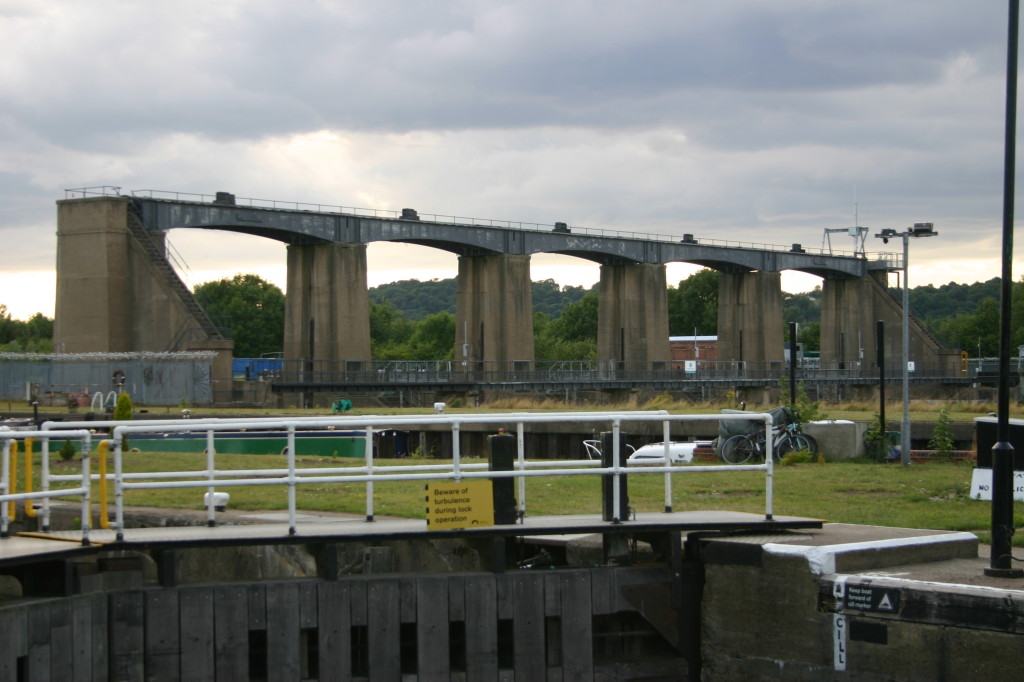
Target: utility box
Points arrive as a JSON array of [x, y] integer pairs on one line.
[[986, 431], [838, 439]]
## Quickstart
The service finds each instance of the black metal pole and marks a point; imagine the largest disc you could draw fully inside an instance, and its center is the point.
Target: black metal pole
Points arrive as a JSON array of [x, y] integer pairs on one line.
[[792, 365], [1002, 452], [880, 351]]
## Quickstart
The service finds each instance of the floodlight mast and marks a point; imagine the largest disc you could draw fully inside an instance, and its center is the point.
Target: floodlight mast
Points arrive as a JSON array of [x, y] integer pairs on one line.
[[916, 230]]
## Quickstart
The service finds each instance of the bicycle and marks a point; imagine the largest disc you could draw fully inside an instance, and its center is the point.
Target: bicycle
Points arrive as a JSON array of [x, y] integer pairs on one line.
[[739, 449]]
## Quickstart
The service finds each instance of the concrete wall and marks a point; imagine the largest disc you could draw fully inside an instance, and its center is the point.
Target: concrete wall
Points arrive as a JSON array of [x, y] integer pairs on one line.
[[632, 315], [327, 309], [750, 317], [494, 311], [111, 296], [850, 311], [772, 611]]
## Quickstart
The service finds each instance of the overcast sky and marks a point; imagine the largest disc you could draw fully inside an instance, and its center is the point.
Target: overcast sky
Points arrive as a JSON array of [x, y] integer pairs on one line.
[[745, 120]]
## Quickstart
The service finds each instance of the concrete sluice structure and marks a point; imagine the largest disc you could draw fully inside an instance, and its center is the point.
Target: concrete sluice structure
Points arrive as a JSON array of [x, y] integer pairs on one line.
[[713, 595], [117, 291]]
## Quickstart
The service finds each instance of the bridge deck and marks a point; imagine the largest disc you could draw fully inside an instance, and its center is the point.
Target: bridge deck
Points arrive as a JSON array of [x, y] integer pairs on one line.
[[56, 544]]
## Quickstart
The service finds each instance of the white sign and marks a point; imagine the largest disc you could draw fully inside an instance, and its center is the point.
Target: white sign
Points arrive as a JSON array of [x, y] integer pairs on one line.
[[910, 365], [690, 366], [981, 485], [839, 641]]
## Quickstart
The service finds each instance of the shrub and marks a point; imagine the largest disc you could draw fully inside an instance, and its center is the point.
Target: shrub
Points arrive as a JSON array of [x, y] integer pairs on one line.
[[67, 451], [942, 435]]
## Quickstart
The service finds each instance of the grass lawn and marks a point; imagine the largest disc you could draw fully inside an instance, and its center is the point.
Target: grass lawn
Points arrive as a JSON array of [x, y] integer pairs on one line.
[[933, 495]]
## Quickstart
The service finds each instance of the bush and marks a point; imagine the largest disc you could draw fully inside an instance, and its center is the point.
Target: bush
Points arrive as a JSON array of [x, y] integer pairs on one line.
[[123, 409], [942, 435], [67, 451]]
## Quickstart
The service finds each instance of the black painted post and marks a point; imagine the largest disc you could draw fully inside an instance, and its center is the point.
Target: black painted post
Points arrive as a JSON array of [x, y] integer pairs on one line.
[[880, 344], [792, 365], [501, 450], [1000, 563], [608, 481]]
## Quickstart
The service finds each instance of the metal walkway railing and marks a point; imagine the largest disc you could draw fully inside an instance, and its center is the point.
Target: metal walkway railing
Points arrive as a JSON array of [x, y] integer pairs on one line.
[[370, 473]]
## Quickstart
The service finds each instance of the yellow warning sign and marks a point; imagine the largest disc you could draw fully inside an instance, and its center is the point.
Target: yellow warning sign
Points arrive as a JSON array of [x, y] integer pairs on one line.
[[459, 504]]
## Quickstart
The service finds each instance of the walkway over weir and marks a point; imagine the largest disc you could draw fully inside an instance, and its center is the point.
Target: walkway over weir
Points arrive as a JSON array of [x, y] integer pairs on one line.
[[305, 224], [125, 296]]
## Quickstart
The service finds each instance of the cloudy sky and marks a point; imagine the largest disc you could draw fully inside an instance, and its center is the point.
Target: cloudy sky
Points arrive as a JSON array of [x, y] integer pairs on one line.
[[742, 120]]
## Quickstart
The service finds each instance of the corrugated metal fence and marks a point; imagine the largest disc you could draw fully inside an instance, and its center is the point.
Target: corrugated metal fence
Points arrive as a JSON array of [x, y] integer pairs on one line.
[[66, 379]]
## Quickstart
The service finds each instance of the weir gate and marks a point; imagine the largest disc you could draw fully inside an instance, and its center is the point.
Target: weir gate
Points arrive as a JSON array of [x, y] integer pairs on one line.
[[117, 291], [635, 590], [342, 597]]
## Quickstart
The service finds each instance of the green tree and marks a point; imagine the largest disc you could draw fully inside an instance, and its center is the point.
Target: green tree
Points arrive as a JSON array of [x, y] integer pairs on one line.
[[32, 336], [434, 338], [253, 310], [809, 335], [578, 322], [390, 331], [968, 330], [802, 308], [693, 305]]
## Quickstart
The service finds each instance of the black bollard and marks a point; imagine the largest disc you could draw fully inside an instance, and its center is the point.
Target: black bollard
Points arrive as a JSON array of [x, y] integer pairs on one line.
[[608, 480], [502, 453]]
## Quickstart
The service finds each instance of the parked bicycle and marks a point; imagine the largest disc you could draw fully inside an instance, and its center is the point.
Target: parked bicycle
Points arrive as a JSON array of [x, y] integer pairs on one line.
[[741, 448]]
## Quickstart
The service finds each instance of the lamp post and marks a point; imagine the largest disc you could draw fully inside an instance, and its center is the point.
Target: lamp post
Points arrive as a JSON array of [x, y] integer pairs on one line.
[[917, 230]]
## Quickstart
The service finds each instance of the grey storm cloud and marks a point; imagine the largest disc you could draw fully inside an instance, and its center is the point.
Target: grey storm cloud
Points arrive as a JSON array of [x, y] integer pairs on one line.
[[762, 121]]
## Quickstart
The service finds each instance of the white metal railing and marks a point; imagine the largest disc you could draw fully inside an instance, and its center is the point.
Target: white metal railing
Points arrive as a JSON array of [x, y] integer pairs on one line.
[[371, 473], [8, 493]]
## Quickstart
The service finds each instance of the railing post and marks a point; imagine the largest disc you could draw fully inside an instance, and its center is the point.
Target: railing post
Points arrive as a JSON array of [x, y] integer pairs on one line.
[[5, 487], [501, 451], [614, 497]]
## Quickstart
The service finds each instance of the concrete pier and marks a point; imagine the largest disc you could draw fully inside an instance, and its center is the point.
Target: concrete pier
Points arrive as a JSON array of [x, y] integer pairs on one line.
[[494, 313], [327, 310], [750, 317], [632, 315]]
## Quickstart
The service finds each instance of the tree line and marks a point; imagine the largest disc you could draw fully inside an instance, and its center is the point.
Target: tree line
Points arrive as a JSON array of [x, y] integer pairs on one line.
[[415, 320]]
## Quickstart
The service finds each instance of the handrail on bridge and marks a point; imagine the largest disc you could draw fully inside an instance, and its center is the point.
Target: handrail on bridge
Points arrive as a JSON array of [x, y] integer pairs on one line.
[[391, 214], [370, 473], [8, 477]]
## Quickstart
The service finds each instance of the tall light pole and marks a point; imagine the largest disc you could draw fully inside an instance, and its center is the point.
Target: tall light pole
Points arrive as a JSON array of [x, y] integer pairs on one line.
[[917, 230]]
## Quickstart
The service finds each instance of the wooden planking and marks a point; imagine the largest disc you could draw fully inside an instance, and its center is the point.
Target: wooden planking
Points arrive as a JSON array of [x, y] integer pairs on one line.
[[258, 607], [197, 633], [552, 652], [39, 647], [283, 657], [358, 596], [335, 631], [14, 642], [231, 632], [383, 631], [127, 646], [577, 626], [62, 655], [481, 628], [163, 635], [407, 607], [100, 637], [81, 637], [551, 615], [432, 627], [601, 586], [528, 626], [307, 604], [456, 598]]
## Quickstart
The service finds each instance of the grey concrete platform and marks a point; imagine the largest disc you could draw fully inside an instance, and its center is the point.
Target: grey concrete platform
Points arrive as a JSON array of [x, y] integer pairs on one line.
[[926, 556], [245, 528]]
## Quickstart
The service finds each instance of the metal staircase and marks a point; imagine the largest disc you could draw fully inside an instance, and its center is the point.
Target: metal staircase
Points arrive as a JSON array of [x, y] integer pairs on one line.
[[158, 258]]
